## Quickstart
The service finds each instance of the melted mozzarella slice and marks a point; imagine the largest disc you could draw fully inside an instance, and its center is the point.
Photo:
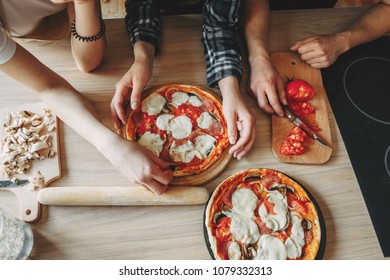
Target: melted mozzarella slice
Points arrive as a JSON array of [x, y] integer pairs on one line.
[[296, 241], [205, 120], [179, 98], [183, 153], [234, 251], [204, 145], [195, 101], [181, 127], [243, 229], [162, 121], [153, 104], [270, 248], [280, 219], [244, 202], [152, 142]]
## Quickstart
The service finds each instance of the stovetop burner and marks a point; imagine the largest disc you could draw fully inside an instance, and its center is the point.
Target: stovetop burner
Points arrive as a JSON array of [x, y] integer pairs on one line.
[[358, 89], [362, 80]]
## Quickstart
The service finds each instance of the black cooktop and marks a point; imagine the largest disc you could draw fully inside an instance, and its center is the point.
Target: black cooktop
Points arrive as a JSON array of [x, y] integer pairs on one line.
[[358, 88]]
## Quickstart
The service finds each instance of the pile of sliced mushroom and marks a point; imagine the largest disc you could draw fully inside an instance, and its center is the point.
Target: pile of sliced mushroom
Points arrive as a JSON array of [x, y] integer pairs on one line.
[[27, 138]]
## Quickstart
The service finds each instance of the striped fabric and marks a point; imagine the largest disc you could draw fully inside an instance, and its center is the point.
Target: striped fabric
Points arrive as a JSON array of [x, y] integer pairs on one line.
[[221, 47]]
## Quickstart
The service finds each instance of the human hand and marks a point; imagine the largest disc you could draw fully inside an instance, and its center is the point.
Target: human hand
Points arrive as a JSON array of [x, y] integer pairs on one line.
[[320, 51], [130, 87], [138, 164], [240, 121], [267, 86]]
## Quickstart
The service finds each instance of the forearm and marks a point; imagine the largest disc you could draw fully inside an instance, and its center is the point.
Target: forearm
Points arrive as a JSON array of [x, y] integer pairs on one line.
[[372, 25], [89, 54], [60, 97], [256, 16]]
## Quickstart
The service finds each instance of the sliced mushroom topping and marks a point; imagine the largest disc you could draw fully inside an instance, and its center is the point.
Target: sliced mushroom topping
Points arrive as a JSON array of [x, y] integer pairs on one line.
[[306, 224], [26, 138], [283, 189]]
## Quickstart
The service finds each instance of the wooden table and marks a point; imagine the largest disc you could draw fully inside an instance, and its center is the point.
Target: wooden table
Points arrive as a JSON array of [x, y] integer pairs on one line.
[[176, 232]]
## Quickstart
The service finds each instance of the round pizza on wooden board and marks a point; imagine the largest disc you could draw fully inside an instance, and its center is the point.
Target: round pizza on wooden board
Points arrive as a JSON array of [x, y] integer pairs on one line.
[[263, 214], [183, 125]]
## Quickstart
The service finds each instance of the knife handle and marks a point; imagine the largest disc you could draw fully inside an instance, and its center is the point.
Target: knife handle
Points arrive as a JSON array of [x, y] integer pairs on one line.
[[288, 114]]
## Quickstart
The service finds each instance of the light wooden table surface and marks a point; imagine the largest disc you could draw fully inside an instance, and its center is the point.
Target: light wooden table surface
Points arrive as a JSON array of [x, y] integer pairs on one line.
[[176, 232]]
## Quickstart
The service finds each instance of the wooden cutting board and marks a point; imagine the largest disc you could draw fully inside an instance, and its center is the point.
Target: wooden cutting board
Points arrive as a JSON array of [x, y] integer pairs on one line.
[[289, 65], [49, 167]]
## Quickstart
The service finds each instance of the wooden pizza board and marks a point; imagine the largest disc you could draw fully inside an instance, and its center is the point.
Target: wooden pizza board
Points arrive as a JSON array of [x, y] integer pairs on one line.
[[196, 179], [289, 65], [49, 167]]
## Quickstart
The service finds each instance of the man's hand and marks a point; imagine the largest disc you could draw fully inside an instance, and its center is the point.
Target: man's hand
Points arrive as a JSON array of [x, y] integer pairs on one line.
[[320, 51], [267, 86], [130, 87], [240, 121]]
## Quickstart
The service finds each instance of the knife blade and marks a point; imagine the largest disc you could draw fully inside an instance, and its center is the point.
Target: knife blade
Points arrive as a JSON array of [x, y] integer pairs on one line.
[[298, 122], [10, 184]]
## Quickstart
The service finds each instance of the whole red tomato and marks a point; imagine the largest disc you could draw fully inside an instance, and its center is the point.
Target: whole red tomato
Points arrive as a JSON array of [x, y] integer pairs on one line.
[[299, 91]]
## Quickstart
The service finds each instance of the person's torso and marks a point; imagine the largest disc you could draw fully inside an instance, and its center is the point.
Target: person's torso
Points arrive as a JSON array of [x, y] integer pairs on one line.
[[21, 17]]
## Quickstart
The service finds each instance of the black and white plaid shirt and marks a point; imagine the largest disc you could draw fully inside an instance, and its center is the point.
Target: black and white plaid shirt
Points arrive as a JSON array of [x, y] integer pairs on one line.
[[221, 47]]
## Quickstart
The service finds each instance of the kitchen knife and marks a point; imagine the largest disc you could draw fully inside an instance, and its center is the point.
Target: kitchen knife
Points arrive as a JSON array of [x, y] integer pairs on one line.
[[295, 120], [10, 184]]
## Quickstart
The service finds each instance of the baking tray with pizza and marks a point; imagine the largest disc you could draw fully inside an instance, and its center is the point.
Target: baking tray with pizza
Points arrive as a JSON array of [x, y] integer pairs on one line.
[[185, 126], [263, 214]]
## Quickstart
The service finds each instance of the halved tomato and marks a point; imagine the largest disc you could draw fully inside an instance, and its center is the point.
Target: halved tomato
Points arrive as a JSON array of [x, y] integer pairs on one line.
[[299, 91]]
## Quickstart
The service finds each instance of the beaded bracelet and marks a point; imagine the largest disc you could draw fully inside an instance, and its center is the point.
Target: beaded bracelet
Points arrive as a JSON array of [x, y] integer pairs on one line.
[[89, 38]]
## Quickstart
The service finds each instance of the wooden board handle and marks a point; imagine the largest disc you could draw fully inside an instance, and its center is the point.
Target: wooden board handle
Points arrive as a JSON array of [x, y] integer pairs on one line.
[[96, 196]]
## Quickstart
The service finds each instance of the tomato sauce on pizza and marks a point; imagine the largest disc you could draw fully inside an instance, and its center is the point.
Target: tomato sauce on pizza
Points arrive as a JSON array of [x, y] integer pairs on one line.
[[262, 214], [181, 124]]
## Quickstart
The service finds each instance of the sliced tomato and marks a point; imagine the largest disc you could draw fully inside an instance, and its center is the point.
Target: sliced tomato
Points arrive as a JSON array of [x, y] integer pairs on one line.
[[190, 111], [222, 232], [292, 147], [297, 134], [301, 108], [299, 91], [311, 122], [299, 206]]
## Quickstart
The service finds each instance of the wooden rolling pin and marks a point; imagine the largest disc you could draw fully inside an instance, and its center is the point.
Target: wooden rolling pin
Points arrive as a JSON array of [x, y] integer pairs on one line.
[[96, 196]]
